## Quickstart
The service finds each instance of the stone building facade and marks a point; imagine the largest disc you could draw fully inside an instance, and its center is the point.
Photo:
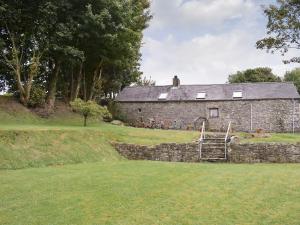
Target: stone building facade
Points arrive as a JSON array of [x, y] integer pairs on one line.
[[269, 106]]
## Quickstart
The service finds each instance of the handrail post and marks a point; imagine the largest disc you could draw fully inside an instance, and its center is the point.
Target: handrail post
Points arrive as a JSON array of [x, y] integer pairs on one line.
[[202, 136], [226, 137]]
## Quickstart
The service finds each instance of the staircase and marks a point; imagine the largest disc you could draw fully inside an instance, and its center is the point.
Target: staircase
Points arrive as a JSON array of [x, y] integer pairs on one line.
[[213, 147]]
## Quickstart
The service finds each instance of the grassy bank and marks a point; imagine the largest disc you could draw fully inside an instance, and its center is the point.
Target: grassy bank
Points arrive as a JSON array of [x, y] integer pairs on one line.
[[38, 148], [151, 193], [24, 146], [27, 140]]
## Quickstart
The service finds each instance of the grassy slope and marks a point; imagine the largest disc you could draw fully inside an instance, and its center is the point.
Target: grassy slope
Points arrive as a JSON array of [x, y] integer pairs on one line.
[[19, 149], [151, 193], [27, 140]]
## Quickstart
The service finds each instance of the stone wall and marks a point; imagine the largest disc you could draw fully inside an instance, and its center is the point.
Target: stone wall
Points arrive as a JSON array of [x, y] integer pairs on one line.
[[264, 152], [238, 153], [164, 152], [270, 115]]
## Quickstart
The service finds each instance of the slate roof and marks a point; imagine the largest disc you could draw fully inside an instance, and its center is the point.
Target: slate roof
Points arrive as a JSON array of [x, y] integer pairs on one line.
[[214, 92]]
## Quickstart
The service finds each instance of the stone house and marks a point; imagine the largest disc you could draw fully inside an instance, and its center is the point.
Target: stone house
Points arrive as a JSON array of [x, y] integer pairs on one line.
[[273, 107]]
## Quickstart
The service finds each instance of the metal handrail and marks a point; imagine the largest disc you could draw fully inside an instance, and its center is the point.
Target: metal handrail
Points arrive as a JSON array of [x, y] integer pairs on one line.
[[226, 137], [202, 137]]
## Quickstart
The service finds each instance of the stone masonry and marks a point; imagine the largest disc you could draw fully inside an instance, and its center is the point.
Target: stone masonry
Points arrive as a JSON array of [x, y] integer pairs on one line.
[[264, 152], [238, 153], [270, 115]]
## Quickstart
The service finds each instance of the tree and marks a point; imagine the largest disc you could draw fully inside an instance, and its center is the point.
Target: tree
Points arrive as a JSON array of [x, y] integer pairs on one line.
[[293, 76], [88, 109], [254, 75], [145, 82], [72, 48], [283, 28], [117, 27], [21, 43]]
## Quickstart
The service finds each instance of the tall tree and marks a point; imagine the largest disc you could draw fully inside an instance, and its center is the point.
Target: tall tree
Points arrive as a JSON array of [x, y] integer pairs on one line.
[[60, 27], [74, 48], [283, 28], [293, 76], [254, 75], [21, 42], [117, 27]]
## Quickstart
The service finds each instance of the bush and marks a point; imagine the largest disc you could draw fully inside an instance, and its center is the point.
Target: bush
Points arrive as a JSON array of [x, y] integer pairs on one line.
[[37, 96], [107, 117], [88, 109]]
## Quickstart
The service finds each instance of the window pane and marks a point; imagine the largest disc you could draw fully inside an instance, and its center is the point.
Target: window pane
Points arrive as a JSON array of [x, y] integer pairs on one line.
[[163, 96], [201, 95], [213, 113], [238, 94]]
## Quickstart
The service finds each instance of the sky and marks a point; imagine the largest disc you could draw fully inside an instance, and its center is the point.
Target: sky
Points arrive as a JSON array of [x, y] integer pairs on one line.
[[203, 41]]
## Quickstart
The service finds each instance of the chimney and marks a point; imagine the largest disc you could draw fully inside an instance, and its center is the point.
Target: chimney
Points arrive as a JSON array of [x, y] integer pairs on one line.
[[176, 81]]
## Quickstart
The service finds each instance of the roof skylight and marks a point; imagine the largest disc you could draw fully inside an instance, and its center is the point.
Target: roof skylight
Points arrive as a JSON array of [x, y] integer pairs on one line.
[[163, 96], [201, 95], [237, 94]]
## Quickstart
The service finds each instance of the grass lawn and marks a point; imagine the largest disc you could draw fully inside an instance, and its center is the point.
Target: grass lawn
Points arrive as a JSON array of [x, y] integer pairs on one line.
[[24, 146], [104, 188], [151, 193], [277, 138]]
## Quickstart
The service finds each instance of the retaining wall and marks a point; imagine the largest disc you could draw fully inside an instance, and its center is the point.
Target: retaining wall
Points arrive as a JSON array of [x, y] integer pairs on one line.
[[264, 152], [237, 153]]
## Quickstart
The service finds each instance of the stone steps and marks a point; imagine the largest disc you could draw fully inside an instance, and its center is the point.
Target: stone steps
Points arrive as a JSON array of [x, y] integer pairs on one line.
[[213, 148], [212, 152]]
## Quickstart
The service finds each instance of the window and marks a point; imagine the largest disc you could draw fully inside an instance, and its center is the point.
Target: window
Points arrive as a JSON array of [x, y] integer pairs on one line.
[[237, 94], [140, 110], [214, 113], [201, 95], [163, 96]]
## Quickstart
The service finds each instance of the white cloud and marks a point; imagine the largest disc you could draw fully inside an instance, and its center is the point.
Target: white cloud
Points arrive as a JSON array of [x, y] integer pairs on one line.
[[183, 14], [206, 59], [210, 56]]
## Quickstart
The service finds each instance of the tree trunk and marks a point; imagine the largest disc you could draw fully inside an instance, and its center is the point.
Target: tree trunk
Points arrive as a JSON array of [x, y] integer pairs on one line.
[[50, 99], [96, 78], [85, 119], [84, 86], [77, 84], [16, 62]]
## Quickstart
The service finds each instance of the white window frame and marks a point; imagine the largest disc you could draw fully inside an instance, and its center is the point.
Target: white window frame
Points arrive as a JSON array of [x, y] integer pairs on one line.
[[201, 95], [163, 96], [237, 94]]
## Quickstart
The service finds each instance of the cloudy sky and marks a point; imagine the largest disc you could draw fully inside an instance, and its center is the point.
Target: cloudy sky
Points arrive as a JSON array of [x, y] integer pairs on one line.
[[202, 41]]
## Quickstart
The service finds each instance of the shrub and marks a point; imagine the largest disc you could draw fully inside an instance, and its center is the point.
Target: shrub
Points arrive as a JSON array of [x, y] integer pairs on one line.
[[88, 109], [37, 96]]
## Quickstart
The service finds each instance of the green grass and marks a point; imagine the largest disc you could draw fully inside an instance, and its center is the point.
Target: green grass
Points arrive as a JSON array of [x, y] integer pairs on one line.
[[104, 188], [38, 146], [277, 138], [151, 193], [27, 140]]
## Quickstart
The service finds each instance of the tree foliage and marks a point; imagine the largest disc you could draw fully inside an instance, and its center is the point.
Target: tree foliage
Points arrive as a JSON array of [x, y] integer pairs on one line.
[[145, 82], [283, 28], [259, 74], [88, 109], [71, 48], [293, 76]]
